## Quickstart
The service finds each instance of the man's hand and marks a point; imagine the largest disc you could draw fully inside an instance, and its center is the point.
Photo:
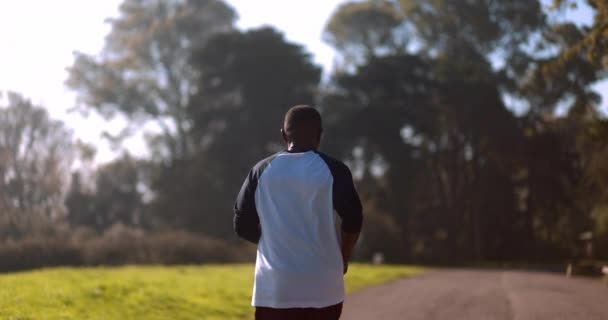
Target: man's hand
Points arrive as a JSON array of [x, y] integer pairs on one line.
[[345, 266], [348, 243]]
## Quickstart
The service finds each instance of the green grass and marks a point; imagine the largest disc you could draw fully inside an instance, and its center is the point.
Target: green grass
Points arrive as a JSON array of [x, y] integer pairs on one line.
[[150, 293]]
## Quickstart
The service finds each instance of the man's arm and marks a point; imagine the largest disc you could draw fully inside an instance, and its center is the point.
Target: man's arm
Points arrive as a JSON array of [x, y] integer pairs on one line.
[[246, 219], [348, 206], [349, 240]]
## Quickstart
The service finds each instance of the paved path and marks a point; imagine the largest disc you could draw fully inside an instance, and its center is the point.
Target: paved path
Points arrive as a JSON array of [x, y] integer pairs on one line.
[[481, 295]]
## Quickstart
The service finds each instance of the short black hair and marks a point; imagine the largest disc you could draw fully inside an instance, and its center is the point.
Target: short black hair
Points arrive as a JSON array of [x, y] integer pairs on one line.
[[304, 118]]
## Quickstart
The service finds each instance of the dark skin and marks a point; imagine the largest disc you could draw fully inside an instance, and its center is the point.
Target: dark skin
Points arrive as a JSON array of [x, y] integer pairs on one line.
[[306, 140]]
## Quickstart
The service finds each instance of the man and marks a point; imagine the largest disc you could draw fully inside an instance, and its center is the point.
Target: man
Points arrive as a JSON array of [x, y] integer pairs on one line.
[[286, 206]]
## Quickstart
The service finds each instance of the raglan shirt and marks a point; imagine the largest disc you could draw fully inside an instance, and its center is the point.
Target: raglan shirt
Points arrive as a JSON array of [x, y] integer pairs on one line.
[[286, 205]]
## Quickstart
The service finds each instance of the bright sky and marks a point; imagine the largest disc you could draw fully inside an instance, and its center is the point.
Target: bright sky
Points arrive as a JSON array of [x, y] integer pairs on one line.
[[39, 36]]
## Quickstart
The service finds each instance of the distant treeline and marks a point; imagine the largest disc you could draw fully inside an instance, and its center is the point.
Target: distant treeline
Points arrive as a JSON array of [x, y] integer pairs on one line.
[[472, 128]]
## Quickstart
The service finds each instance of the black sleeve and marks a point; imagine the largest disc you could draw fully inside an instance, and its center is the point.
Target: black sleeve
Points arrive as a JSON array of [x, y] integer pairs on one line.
[[246, 220], [346, 200]]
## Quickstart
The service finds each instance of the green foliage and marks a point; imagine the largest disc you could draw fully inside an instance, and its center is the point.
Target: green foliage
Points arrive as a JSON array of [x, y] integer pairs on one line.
[[482, 24], [35, 155], [143, 72], [119, 245], [433, 28], [116, 197], [361, 30], [186, 292], [419, 106], [450, 165], [37, 252], [248, 81], [462, 133], [593, 45]]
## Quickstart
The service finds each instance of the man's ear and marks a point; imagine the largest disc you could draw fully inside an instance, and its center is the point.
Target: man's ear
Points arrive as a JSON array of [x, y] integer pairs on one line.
[[284, 135]]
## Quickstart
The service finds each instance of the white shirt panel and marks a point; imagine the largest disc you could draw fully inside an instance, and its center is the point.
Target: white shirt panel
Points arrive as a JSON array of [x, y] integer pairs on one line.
[[299, 262]]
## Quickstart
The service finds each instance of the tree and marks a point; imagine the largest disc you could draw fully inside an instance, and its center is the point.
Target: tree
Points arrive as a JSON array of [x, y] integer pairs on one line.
[[248, 81], [439, 82], [443, 149], [35, 156], [592, 43], [451, 161], [484, 25], [578, 59], [80, 203], [361, 30], [564, 79], [433, 28], [144, 73], [116, 198]]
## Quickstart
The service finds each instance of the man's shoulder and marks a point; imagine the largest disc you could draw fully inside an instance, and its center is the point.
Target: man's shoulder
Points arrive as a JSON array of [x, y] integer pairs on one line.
[[334, 164], [262, 164]]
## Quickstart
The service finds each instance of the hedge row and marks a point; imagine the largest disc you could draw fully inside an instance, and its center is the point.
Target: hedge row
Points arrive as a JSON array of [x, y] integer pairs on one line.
[[165, 248]]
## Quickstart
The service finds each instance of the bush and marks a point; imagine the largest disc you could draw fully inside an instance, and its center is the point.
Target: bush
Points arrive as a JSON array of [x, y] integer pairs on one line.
[[171, 247], [119, 246], [38, 252]]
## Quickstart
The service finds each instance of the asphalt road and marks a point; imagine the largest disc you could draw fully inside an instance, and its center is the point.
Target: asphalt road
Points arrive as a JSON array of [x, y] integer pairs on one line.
[[481, 295]]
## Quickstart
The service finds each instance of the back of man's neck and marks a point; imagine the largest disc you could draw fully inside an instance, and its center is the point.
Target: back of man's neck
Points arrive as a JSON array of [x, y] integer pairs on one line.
[[299, 149]]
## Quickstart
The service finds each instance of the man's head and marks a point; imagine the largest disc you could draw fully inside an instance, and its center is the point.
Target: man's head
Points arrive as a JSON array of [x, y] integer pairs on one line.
[[302, 128]]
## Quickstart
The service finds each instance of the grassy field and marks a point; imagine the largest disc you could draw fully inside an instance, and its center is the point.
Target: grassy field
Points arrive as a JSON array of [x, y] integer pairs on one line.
[[150, 293]]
